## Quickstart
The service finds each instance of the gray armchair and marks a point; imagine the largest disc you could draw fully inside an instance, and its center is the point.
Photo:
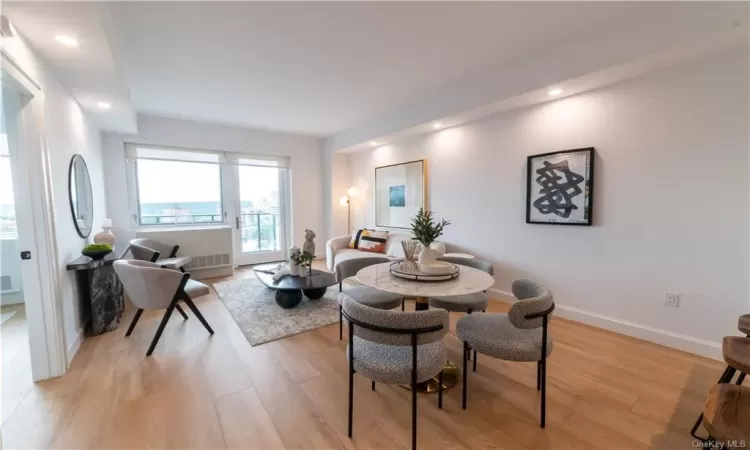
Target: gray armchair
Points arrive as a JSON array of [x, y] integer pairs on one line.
[[520, 335], [151, 250], [394, 347], [149, 286]]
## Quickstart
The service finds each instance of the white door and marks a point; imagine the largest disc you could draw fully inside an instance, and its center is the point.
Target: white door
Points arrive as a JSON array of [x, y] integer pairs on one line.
[[261, 211]]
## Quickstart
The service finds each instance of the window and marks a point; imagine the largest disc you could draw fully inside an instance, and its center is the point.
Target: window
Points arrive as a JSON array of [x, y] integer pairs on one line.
[[8, 228], [177, 187]]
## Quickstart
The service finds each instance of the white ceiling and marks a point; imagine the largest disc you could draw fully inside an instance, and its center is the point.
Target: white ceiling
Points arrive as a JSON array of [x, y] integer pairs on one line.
[[308, 68]]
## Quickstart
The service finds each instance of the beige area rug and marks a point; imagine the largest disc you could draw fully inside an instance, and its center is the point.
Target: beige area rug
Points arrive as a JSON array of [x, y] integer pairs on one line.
[[253, 306]]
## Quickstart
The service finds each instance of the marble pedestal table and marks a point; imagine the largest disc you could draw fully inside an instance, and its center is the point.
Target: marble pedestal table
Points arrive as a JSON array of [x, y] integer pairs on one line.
[[100, 293], [469, 281]]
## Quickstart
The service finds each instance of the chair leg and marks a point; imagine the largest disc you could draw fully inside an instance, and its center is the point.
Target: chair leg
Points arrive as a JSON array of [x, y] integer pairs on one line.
[[544, 391], [440, 390], [160, 330], [465, 374], [469, 356], [538, 375], [373, 385], [191, 305], [351, 377], [182, 313], [475, 361], [403, 301], [341, 286], [134, 321], [341, 323], [414, 406], [741, 378]]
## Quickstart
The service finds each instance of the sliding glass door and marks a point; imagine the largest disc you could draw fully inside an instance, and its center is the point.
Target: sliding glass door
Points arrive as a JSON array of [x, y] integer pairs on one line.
[[261, 211]]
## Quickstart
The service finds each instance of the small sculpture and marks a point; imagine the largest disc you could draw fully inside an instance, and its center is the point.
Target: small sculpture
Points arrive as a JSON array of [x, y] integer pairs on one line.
[[309, 245]]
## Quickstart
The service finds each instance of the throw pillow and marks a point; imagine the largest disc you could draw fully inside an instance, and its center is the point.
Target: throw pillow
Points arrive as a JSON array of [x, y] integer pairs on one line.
[[354, 242], [373, 241]]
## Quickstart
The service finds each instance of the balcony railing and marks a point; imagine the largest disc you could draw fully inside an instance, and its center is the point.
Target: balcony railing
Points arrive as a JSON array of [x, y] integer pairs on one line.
[[260, 232], [162, 219]]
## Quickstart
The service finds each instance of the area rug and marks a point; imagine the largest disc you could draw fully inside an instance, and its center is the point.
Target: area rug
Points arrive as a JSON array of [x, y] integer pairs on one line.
[[253, 306], [4, 317]]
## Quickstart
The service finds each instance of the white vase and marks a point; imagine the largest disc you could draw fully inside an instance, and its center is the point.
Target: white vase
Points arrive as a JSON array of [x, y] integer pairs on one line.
[[294, 269], [105, 237], [427, 255]]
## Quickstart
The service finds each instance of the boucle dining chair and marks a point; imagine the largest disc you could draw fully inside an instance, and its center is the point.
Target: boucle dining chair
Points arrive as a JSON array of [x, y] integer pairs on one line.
[[521, 335], [465, 303], [365, 295], [394, 347], [150, 286], [145, 249]]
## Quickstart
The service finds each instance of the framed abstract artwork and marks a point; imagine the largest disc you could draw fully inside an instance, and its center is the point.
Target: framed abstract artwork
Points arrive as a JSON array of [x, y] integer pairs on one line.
[[560, 187], [400, 190]]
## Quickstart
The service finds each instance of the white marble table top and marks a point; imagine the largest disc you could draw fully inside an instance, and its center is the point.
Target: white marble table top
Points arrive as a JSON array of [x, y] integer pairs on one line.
[[469, 281]]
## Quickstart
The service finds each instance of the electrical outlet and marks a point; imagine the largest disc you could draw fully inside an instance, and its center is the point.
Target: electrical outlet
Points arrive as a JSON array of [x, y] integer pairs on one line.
[[672, 299]]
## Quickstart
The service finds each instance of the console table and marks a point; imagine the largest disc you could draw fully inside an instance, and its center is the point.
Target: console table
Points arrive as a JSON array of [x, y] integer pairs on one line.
[[100, 292]]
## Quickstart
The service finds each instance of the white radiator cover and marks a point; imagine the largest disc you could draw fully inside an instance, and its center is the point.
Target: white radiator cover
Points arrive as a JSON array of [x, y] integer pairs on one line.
[[209, 247]]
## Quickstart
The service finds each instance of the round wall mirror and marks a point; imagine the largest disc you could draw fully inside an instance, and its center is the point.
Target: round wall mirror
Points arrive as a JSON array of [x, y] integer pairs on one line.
[[81, 197]]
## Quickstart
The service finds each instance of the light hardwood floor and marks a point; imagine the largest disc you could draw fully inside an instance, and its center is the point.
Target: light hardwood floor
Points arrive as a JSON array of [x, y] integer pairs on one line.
[[604, 391]]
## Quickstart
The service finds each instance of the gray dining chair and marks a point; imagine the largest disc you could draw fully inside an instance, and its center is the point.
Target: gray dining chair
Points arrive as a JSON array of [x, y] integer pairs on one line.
[[465, 303], [394, 347], [520, 335], [150, 286], [145, 249], [365, 295]]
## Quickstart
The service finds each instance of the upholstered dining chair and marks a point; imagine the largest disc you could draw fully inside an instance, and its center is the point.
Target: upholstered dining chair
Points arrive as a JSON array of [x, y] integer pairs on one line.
[[365, 295], [465, 303], [394, 347], [520, 335], [150, 286], [146, 249]]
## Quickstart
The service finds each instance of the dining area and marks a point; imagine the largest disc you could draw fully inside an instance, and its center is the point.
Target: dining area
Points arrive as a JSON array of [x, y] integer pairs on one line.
[[392, 344]]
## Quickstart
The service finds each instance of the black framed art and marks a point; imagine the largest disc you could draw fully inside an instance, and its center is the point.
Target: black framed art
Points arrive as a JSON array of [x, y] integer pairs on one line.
[[560, 187]]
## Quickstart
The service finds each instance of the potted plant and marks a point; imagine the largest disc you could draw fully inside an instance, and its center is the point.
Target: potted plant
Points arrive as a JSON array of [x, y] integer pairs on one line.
[[302, 261], [426, 230]]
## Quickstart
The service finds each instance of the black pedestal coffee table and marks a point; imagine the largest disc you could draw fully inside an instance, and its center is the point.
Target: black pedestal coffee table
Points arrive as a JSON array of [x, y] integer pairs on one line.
[[289, 289]]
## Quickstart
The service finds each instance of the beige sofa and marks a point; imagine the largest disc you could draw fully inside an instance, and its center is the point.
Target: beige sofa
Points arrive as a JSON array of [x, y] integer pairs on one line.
[[337, 249]]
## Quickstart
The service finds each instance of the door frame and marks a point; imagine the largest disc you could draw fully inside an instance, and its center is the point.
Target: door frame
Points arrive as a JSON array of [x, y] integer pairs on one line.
[[246, 259], [47, 345]]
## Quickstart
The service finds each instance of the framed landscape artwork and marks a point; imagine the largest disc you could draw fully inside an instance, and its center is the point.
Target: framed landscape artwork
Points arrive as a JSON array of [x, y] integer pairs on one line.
[[560, 187], [399, 193]]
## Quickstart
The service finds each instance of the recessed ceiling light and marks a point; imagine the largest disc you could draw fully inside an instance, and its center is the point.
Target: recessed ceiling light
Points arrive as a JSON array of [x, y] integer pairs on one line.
[[373, 143], [437, 125], [555, 91], [103, 105], [67, 41]]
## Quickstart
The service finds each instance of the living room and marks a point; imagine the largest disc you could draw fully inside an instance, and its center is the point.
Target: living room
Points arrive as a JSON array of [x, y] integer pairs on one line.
[[594, 173]]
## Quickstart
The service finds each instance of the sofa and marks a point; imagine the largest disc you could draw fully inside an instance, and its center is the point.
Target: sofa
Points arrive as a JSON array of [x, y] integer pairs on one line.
[[337, 250]]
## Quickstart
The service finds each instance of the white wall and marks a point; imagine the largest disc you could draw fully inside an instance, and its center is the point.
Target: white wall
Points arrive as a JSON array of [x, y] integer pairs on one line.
[[66, 131], [304, 153], [671, 200]]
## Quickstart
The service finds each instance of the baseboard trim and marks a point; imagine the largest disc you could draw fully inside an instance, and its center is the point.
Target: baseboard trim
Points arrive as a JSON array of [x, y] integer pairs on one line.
[[656, 335], [76, 344]]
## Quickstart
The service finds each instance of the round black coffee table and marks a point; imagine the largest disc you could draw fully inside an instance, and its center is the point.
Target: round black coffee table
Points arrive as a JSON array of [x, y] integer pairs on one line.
[[289, 289]]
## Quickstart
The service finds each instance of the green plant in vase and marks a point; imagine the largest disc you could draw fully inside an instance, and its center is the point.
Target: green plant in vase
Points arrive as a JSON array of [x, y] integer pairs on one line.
[[427, 230], [304, 260]]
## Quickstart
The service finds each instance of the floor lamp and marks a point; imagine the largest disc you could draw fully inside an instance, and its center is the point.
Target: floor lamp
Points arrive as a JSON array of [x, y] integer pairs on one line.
[[347, 201]]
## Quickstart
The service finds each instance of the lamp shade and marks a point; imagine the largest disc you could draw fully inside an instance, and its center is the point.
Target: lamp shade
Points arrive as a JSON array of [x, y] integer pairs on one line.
[[353, 192], [344, 201]]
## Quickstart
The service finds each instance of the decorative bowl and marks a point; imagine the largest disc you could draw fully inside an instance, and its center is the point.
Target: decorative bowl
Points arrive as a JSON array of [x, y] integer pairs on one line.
[[96, 254], [437, 268]]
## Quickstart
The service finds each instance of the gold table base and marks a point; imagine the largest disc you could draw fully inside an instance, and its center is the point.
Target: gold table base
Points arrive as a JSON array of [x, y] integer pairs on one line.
[[450, 379]]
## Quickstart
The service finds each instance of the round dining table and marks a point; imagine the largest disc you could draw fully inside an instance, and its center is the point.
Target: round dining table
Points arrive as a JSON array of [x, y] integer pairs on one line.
[[469, 281]]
